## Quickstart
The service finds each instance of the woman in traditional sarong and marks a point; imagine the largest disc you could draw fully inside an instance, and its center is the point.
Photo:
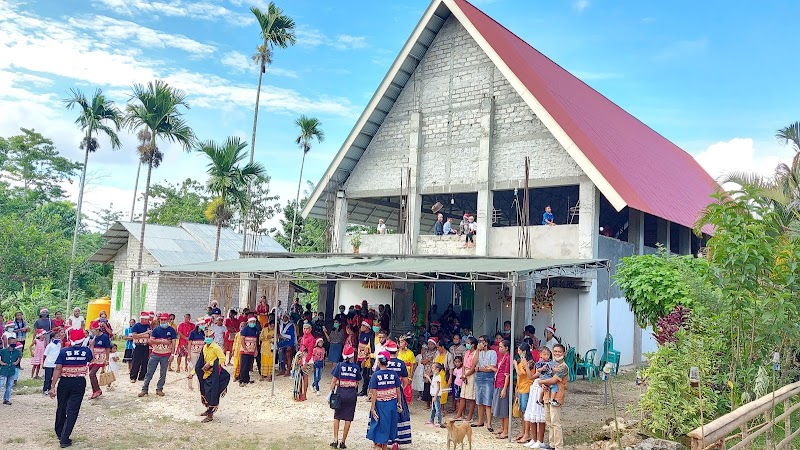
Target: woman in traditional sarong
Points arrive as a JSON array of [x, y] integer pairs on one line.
[[384, 391], [404, 419], [346, 376], [237, 346], [407, 356], [213, 378], [196, 343], [297, 375], [267, 338]]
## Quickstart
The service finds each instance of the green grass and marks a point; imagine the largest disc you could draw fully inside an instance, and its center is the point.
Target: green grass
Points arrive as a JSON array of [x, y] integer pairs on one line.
[[28, 382], [16, 440]]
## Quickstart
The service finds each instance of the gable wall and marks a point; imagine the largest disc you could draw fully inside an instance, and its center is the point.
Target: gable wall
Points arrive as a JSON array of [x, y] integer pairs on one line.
[[447, 87]]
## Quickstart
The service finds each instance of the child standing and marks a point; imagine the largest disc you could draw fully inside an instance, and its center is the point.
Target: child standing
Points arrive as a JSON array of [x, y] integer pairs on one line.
[[37, 354], [456, 381], [50, 355], [435, 379], [128, 356], [418, 378], [318, 355], [113, 364]]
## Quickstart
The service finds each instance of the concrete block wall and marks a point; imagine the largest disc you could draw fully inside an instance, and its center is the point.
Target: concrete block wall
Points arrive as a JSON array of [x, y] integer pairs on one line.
[[443, 245], [127, 259], [182, 295], [447, 88]]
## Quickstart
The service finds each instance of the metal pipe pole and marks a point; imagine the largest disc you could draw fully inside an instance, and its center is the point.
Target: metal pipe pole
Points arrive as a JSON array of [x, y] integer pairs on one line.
[[275, 331], [608, 331], [511, 349]]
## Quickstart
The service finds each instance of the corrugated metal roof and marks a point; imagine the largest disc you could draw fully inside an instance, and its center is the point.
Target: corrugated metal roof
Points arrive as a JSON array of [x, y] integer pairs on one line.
[[627, 153], [188, 243]]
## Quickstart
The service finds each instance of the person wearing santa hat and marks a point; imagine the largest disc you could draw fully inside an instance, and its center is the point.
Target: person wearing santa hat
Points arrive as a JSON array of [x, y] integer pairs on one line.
[[196, 340], [10, 356], [140, 334], [346, 376], [404, 419], [100, 345], [212, 377], [247, 351], [69, 384], [162, 339], [366, 342], [550, 338], [384, 390], [37, 353]]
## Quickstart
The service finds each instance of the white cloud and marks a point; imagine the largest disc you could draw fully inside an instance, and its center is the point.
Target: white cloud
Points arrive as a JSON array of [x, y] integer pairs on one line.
[[311, 37], [580, 5], [114, 30], [742, 155], [198, 10], [242, 63]]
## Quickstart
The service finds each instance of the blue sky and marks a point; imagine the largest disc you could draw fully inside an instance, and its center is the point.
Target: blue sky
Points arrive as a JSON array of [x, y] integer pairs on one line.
[[714, 77]]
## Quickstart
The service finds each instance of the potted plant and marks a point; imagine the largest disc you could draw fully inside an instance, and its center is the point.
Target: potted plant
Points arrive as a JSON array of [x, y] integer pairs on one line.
[[356, 242]]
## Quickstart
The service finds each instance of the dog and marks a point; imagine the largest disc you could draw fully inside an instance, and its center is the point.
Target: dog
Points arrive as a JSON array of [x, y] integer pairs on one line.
[[456, 433]]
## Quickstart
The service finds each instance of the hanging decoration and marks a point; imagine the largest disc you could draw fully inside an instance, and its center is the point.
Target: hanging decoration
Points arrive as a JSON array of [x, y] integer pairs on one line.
[[543, 300]]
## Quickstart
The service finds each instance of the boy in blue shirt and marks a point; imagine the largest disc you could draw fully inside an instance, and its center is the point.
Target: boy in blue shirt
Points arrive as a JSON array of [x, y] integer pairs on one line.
[[9, 358]]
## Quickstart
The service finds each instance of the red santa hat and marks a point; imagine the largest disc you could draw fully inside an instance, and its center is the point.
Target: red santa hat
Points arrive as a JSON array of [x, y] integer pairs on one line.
[[163, 316], [348, 351], [435, 324], [433, 339], [384, 355], [390, 346], [40, 332], [144, 315], [77, 336], [320, 340], [551, 329], [10, 323], [152, 315], [94, 325], [364, 323], [251, 319]]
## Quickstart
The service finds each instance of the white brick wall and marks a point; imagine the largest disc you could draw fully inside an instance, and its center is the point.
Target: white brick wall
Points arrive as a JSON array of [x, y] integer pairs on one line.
[[447, 88]]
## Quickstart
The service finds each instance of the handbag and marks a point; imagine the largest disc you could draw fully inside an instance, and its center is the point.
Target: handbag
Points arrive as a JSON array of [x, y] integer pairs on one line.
[[106, 378], [516, 411], [335, 399]]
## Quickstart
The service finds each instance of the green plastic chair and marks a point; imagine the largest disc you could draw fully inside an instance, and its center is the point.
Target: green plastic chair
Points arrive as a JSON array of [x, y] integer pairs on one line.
[[588, 366], [610, 355], [569, 359]]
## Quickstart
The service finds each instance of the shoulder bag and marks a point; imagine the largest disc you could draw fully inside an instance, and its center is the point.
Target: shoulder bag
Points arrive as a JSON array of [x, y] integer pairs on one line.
[[335, 399]]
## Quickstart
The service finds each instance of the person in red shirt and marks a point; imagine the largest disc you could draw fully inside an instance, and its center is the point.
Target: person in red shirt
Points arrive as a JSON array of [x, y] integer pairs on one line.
[[232, 324], [182, 351], [58, 323]]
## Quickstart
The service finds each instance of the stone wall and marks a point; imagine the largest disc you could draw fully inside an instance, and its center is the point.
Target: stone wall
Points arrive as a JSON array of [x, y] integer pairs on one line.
[[447, 88], [443, 245]]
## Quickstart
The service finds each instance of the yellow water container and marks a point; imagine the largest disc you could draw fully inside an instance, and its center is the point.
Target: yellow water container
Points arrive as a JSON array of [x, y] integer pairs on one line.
[[94, 308]]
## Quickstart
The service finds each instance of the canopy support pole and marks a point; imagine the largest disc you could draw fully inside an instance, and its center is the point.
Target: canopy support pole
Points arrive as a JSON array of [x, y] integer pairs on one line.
[[275, 332], [512, 367]]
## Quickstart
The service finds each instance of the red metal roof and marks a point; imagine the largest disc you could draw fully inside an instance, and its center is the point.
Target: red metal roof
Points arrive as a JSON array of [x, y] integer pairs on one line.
[[648, 171]]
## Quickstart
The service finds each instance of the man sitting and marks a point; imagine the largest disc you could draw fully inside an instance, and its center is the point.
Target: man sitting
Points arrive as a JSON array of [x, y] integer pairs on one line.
[[448, 227]]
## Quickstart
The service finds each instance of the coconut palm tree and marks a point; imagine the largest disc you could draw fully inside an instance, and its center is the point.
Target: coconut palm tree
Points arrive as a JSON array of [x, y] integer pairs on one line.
[[277, 29], [144, 140], [158, 108], [227, 181], [310, 129], [98, 115]]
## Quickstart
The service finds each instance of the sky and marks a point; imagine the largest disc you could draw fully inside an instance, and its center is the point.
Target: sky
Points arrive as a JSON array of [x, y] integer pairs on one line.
[[713, 77]]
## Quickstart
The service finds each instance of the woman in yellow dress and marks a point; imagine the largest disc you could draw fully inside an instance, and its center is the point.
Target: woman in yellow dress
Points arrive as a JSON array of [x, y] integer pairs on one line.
[[444, 358], [267, 339], [237, 345], [407, 356]]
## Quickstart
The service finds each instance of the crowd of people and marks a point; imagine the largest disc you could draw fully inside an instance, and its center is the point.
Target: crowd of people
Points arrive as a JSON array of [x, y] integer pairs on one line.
[[446, 367]]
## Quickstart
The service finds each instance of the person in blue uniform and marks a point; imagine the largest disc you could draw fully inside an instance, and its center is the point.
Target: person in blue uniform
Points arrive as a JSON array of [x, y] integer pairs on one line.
[[346, 376], [162, 339], [140, 334], [384, 392], [101, 348], [69, 384], [248, 350], [404, 419]]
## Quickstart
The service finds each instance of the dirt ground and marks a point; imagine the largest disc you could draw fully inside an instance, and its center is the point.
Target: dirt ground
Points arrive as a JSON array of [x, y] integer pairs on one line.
[[251, 418]]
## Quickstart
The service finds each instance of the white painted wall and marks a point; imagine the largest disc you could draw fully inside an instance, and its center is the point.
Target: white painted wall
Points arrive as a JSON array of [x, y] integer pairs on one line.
[[559, 242], [380, 244], [352, 293], [621, 328]]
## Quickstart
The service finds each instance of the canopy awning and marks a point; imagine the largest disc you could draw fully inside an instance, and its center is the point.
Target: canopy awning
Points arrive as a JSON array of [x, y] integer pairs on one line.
[[324, 267]]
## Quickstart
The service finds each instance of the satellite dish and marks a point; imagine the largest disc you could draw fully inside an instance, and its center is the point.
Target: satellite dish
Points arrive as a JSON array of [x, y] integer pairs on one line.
[[436, 207]]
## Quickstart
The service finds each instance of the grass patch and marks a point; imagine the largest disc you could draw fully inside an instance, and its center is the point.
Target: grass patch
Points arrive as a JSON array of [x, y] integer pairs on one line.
[[29, 382], [16, 440]]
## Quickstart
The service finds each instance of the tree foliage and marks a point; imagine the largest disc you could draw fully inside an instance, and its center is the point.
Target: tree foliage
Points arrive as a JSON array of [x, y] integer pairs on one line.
[[32, 161], [176, 203], [309, 233]]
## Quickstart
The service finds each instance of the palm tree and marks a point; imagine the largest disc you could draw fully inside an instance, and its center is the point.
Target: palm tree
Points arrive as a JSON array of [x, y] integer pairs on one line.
[[156, 107], [310, 128], [277, 29], [144, 139], [227, 181], [93, 117]]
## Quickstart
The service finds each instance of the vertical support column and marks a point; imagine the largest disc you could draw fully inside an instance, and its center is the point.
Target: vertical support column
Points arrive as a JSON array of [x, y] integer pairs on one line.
[[636, 237], [244, 290], [684, 240], [484, 178], [414, 196], [589, 220], [339, 225], [662, 233]]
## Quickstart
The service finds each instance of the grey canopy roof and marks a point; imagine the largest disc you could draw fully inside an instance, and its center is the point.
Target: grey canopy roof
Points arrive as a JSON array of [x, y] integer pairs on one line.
[[188, 243]]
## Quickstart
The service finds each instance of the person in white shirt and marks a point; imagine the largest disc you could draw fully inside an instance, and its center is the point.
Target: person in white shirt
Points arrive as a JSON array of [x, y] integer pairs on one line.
[[50, 355], [381, 226], [76, 321], [549, 337]]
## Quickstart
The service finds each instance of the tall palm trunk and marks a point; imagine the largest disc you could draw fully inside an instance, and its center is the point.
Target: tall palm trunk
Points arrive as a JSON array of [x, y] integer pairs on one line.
[[216, 246], [297, 201], [135, 188], [78, 221], [144, 222], [252, 156]]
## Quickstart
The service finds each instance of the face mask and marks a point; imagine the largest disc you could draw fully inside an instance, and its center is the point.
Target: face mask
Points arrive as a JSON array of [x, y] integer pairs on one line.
[[187, 320], [251, 325], [56, 341], [285, 320], [559, 359], [468, 346], [208, 340], [164, 325], [376, 329], [336, 325], [306, 332], [341, 310]]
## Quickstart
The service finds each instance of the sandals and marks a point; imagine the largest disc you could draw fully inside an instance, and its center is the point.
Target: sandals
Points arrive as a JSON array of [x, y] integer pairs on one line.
[[500, 436], [475, 425], [490, 430], [334, 444]]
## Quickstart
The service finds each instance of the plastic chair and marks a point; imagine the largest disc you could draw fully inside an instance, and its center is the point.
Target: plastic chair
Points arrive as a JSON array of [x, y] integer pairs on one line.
[[610, 355], [569, 359], [588, 366]]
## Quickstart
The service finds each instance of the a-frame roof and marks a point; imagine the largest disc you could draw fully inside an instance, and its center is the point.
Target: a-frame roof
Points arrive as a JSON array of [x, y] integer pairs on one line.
[[630, 163]]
